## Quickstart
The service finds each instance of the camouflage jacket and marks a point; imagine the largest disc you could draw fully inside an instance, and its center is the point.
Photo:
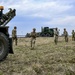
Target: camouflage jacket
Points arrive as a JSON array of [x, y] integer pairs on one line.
[[65, 33], [73, 33], [33, 35], [14, 33], [56, 33]]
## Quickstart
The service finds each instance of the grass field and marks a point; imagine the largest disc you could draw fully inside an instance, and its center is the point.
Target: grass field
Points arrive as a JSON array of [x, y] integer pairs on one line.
[[46, 59]]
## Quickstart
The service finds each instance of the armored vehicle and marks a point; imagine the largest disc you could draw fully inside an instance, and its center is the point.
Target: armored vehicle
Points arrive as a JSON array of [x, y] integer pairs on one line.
[[45, 32], [5, 40]]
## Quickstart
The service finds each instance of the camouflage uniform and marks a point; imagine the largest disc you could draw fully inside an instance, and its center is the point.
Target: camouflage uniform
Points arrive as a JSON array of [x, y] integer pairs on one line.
[[73, 35], [14, 35], [33, 38], [66, 35], [56, 33]]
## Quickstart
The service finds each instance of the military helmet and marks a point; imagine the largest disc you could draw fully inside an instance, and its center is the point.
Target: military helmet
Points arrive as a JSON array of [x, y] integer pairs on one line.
[[64, 28], [56, 28], [15, 27], [34, 29]]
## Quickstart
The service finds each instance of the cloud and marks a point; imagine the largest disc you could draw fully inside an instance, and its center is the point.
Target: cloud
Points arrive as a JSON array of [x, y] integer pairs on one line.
[[54, 13], [37, 9], [62, 21], [44, 9]]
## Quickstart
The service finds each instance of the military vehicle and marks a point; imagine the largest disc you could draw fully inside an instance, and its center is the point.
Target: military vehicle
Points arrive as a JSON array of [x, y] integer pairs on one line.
[[5, 40], [45, 32]]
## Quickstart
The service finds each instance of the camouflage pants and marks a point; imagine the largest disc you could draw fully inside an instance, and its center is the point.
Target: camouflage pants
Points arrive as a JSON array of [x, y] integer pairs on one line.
[[56, 39], [66, 38], [73, 38], [33, 42], [14, 39]]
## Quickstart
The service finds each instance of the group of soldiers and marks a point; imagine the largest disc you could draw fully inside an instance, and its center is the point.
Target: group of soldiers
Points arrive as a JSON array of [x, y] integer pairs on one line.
[[33, 36], [65, 33]]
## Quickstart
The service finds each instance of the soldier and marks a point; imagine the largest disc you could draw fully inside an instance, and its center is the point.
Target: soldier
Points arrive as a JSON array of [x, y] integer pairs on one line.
[[66, 35], [14, 35], [73, 35], [33, 38], [56, 33]]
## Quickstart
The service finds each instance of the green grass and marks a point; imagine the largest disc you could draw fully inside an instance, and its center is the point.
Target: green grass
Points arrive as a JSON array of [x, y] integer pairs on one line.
[[1, 73], [46, 59]]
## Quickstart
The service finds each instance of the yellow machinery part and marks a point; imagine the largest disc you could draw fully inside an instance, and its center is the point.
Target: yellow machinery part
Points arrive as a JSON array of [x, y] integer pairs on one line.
[[1, 8]]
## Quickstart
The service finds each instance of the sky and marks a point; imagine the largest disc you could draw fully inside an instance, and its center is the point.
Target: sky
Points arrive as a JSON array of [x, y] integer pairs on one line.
[[41, 13]]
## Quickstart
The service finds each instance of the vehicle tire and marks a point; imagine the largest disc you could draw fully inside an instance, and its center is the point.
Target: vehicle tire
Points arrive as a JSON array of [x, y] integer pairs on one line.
[[4, 46], [47, 35], [42, 35]]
